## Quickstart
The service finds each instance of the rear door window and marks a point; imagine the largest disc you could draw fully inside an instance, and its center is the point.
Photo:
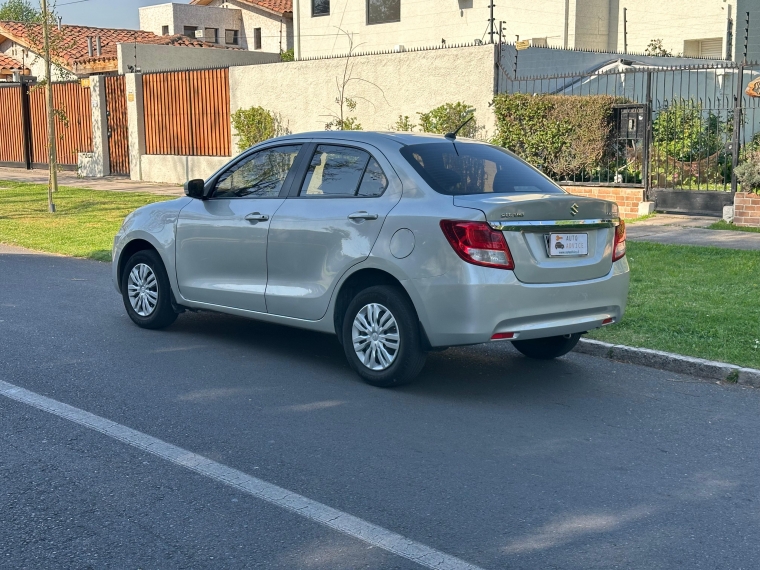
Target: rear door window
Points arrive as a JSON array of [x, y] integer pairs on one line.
[[460, 169], [343, 171]]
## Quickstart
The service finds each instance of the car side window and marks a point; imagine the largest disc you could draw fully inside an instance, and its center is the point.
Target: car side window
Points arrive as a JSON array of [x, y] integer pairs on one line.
[[343, 171], [259, 176]]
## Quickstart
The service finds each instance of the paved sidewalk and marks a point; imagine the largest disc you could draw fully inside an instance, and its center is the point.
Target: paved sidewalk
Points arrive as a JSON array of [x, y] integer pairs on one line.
[[114, 183], [690, 230]]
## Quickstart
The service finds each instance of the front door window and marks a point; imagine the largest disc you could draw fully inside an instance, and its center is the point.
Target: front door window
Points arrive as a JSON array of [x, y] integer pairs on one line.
[[259, 176]]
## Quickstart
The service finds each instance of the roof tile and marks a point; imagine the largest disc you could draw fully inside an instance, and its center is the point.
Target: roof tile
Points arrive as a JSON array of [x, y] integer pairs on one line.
[[73, 40]]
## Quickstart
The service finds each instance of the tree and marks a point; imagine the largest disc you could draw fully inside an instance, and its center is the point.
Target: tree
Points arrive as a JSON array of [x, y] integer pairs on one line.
[[19, 11], [448, 118], [340, 121], [656, 48]]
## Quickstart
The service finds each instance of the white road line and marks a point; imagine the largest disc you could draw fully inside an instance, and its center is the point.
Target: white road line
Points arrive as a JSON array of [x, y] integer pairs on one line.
[[312, 510]]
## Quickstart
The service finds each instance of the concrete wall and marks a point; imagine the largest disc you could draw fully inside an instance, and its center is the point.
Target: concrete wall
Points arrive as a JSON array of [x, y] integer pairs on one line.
[[171, 169], [149, 57], [304, 92]]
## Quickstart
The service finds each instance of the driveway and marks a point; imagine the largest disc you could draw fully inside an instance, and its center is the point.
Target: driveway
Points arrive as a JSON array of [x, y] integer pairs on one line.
[[490, 458]]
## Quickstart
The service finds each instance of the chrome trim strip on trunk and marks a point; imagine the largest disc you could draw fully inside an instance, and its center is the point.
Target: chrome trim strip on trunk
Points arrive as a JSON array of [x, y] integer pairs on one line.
[[560, 224]]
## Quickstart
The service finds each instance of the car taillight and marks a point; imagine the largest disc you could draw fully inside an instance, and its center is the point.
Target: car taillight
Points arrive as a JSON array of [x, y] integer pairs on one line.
[[478, 243], [618, 251]]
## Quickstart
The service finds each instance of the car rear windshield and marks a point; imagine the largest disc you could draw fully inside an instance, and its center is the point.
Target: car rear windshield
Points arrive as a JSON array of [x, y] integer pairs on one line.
[[460, 168]]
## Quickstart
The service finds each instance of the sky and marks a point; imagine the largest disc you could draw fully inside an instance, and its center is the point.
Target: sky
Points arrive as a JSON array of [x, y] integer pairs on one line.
[[102, 13]]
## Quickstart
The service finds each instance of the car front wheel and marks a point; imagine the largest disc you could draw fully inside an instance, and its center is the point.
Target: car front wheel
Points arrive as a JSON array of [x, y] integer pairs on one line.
[[381, 337], [547, 348], [146, 291]]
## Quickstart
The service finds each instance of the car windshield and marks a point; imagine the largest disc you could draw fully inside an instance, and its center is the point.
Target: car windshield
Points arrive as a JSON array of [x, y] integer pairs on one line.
[[460, 168]]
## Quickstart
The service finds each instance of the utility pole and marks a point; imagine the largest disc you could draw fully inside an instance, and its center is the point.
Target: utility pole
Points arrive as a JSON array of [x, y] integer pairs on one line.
[[625, 30], [492, 21], [53, 179]]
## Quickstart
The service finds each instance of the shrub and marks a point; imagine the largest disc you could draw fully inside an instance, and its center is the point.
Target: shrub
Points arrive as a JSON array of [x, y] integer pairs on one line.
[[748, 172], [448, 118], [562, 135], [687, 133], [255, 125], [288, 55], [403, 125]]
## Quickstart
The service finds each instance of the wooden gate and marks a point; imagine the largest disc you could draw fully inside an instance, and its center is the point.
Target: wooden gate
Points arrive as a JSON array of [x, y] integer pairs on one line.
[[118, 130], [73, 123], [11, 126]]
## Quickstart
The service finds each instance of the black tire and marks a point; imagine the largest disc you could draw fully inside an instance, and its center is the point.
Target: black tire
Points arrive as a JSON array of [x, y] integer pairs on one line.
[[163, 313], [547, 348], [409, 357]]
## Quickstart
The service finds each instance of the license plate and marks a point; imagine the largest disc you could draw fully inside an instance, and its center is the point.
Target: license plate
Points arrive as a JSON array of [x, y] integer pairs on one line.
[[568, 245]]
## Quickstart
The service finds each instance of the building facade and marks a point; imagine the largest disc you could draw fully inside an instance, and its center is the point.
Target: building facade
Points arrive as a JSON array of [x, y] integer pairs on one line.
[[692, 28], [255, 25]]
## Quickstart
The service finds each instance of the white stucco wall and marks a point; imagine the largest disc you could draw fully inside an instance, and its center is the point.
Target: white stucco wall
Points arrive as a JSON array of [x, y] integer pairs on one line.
[[150, 57], [177, 16], [171, 169], [34, 62], [304, 92], [591, 24]]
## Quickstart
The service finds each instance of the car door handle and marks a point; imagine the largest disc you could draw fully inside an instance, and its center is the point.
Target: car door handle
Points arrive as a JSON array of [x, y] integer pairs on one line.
[[257, 217], [362, 216]]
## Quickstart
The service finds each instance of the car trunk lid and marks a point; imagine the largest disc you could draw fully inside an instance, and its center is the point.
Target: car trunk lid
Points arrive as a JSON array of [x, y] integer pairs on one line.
[[530, 222]]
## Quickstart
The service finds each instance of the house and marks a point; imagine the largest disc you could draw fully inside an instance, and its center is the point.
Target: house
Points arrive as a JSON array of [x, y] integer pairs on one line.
[[693, 28], [77, 50], [9, 67], [255, 25]]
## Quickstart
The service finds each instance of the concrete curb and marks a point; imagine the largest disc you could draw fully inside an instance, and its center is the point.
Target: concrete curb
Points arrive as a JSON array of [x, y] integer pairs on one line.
[[698, 367]]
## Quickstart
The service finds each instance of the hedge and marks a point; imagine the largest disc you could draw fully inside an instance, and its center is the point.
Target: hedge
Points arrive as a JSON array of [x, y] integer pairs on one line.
[[565, 136]]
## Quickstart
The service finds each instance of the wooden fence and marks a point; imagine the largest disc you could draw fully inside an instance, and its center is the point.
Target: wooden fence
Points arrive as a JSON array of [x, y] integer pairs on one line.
[[73, 123], [187, 113], [11, 125], [118, 129]]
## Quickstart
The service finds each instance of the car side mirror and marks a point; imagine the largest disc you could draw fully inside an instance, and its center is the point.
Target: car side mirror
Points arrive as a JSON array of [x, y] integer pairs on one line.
[[195, 189]]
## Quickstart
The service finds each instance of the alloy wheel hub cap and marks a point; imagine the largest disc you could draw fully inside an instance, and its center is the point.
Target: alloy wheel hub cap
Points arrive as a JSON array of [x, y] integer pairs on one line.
[[375, 337], [142, 289]]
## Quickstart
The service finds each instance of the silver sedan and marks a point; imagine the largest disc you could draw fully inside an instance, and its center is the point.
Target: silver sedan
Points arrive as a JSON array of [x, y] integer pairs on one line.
[[397, 243]]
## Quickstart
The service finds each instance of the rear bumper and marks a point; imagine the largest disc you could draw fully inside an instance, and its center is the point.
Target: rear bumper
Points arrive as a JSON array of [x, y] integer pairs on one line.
[[470, 307]]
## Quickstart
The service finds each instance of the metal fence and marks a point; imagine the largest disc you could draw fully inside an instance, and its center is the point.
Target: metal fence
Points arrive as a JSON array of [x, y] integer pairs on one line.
[[676, 128]]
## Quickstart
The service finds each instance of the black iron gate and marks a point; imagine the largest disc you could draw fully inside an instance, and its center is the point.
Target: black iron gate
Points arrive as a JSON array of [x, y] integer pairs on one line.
[[679, 132]]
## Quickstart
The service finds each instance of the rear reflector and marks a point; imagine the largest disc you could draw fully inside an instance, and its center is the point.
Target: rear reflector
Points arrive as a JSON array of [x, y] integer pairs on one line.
[[608, 321], [503, 336]]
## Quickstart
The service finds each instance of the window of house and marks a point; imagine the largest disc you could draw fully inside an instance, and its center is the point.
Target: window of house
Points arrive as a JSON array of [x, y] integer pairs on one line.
[[189, 31], [383, 11], [256, 38], [231, 37], [320, 8], [211, 35], [709, 47], [164, 30]]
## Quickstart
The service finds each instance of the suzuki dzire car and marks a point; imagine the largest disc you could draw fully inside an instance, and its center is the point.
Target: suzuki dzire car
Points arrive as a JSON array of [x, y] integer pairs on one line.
[[397, 243]]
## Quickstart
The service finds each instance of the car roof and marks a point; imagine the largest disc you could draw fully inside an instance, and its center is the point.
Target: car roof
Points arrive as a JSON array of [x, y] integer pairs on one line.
[[373, 137]]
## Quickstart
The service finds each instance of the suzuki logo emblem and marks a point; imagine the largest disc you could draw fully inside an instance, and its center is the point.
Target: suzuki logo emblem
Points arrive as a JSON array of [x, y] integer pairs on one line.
[[574, 209]]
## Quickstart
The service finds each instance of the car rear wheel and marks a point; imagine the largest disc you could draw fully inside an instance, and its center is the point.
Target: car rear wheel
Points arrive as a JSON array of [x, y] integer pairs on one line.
[[547, 348], [381, 337], [146, 292]]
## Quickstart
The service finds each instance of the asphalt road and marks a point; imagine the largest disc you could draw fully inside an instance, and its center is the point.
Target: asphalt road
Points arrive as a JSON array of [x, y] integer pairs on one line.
[[503, 462]]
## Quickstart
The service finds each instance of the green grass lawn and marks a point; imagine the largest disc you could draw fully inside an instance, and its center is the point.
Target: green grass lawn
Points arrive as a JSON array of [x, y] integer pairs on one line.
[[722, 225], [697, 301], [84, 223]]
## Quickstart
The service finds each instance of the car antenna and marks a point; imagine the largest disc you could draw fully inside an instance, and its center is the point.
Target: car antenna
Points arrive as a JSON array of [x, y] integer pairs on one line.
[[453, 136]]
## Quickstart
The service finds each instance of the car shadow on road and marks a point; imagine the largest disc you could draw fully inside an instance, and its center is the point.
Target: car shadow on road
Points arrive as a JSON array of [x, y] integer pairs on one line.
[[491, 371]]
